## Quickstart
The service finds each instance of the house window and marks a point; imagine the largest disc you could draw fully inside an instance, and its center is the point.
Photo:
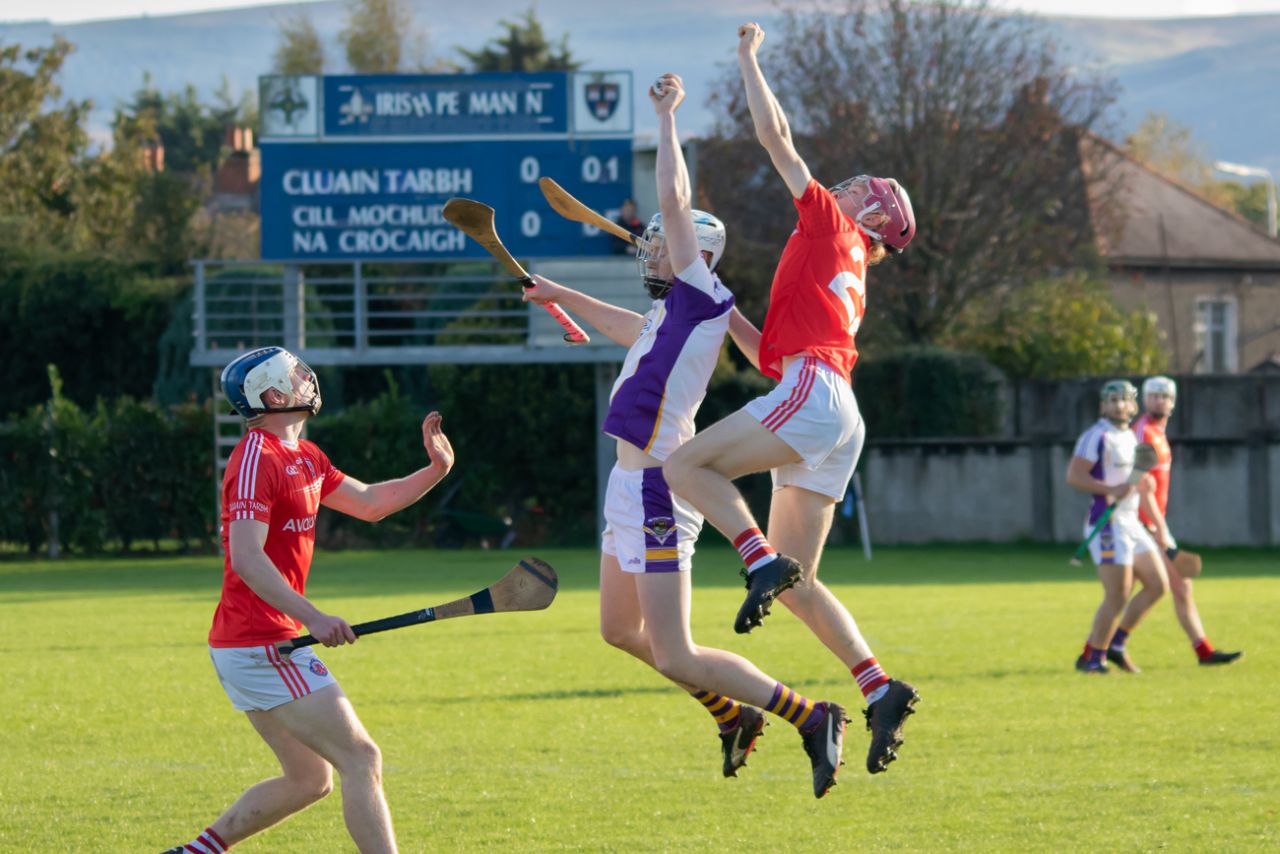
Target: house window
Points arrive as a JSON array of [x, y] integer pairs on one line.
[[1215, 332]]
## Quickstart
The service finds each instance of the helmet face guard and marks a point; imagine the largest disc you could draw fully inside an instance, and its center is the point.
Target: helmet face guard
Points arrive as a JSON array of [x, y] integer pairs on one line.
[[1123, 391], [650, 250], [889, 197], [247, 378], [708, 230]]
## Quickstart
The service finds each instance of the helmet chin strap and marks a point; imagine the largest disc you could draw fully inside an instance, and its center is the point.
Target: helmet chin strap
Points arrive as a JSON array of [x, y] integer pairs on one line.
[[657, 288]]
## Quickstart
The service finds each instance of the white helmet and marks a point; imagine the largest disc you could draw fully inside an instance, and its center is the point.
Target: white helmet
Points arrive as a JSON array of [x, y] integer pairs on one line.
[[247, 377], [1160, 385], [709, 232]]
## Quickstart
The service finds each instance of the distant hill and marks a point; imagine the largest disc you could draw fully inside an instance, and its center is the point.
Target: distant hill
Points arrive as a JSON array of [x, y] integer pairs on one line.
[[1215, 75]]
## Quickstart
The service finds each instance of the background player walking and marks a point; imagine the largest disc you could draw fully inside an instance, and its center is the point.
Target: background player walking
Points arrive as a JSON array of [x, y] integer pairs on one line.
[[274, 485], [808, 430], [1100, 466], [1159, 396]]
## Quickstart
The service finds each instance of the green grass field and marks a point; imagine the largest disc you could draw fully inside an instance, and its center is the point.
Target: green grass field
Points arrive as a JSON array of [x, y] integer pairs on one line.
[[525, 732]]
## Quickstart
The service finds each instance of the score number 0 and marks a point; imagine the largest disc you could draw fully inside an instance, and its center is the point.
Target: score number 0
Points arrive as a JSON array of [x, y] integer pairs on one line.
[[594, 171]]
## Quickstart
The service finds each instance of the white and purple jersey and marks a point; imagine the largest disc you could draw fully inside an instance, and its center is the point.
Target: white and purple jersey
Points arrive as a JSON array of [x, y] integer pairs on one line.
[[665, 375], [1111, 450]]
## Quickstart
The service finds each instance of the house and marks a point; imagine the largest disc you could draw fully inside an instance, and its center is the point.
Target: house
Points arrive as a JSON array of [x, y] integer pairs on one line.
[[1211, 278]]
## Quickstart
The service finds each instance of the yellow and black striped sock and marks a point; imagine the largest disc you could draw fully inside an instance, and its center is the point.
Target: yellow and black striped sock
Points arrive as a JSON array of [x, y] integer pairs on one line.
[[725, 710], [799, 711]]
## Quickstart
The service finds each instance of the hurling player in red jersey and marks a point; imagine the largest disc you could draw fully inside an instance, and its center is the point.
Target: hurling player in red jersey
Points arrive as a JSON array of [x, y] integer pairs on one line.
[[274, 485], [807, 431], [1159, 395]]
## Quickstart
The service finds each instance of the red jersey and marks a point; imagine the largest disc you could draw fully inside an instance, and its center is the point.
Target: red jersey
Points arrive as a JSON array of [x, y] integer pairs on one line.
[[282, 486], [819, 289], [1153, 434]]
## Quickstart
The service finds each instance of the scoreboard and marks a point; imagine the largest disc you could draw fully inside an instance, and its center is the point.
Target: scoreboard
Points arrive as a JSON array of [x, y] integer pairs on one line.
[[359, 167]]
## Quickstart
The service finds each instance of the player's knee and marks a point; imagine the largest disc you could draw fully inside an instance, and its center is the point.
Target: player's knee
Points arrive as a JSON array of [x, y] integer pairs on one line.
[[622, 636], [674, 470], [363, 759], [1181, 589], [314, 787]]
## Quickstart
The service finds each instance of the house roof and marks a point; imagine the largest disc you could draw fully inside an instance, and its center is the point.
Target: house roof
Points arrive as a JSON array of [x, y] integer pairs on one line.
[[1163, 222]]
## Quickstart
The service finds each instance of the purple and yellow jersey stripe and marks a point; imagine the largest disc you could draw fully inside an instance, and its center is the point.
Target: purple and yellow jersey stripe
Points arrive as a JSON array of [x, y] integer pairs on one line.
[[664, 377]]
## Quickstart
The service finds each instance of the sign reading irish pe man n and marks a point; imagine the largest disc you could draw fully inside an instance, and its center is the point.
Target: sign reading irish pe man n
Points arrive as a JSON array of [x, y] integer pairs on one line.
[[358, 167]]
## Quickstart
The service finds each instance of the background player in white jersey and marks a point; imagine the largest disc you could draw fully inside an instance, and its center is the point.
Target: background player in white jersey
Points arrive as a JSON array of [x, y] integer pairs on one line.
[[648, 543], [1123, 549], [274, 485], [1159, 396], [808, 431]]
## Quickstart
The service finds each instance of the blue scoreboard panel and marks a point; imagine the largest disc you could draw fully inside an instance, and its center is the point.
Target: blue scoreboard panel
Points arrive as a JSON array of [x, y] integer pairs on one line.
[[360, 167]]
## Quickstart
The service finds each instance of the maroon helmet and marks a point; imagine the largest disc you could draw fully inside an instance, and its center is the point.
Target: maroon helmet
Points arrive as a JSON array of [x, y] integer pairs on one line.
[[890, 197]]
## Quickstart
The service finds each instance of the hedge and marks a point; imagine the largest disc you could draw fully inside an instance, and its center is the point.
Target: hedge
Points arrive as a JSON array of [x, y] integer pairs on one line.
[[929, 391]]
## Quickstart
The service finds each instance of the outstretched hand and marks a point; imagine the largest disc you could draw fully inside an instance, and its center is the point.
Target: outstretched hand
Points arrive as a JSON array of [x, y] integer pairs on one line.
[[666, 93], [750, 35], [436, 442]]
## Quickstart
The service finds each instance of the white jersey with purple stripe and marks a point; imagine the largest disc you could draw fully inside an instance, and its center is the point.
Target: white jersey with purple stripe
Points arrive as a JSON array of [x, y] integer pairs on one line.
[[665, 375], [1111, 450]]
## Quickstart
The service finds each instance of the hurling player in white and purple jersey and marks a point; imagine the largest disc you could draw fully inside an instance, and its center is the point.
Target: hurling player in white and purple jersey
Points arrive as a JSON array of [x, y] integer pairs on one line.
[[1100, 466], [648, 543]]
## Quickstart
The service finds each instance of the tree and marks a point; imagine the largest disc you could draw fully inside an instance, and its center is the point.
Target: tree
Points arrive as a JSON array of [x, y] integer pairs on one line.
[[524, 48], [1054, 328], [971, 110], [41, 146], [380, 36], [1171, 149], [191, 131], [299, 50]]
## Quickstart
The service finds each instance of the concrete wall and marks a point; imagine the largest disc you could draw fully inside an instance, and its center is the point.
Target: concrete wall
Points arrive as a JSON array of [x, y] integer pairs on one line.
[[1238, 406], [1223, 492]]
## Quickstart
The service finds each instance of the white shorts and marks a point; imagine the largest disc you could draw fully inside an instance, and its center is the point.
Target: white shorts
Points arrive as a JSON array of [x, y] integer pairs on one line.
[[646, 527], [1119, 541], [258, 678], [814, 411]]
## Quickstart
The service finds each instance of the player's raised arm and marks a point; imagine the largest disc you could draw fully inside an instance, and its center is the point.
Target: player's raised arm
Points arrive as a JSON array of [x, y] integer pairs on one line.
[[766, 113], [620, 325], [675, 197]]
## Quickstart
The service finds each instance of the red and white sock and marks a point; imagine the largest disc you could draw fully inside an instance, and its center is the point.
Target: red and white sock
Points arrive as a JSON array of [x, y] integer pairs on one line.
[[206, 843], [871, 679], [754, 548], [1203, 648]]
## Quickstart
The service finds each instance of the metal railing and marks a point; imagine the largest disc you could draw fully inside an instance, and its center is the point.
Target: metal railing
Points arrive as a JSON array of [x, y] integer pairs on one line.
[[351, 314]]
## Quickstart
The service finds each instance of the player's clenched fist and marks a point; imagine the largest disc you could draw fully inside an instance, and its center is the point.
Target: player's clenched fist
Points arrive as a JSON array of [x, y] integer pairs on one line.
[[542, 290], [750, 35], [667, 92]]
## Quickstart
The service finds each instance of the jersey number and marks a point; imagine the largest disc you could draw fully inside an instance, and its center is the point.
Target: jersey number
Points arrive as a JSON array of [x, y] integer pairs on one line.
[[848, 282]]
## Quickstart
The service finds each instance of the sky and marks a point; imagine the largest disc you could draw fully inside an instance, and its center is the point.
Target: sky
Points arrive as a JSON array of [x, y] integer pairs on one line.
[[70, 11]]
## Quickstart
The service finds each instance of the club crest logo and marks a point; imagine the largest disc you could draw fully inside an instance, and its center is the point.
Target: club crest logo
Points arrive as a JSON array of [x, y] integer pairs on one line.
[[289, 101], [311, 468], [602, 99], [357, 109], [317, 667], [660, 528]]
